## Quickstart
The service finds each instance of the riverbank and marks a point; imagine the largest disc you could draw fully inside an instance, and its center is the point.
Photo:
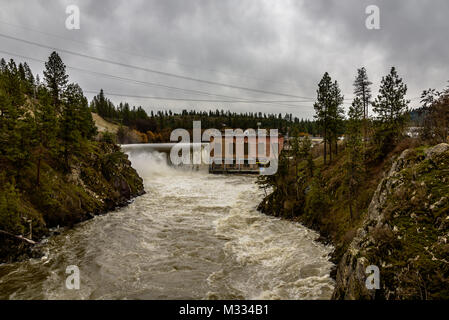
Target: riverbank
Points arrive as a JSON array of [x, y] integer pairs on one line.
[[100, 179], [399, 223]]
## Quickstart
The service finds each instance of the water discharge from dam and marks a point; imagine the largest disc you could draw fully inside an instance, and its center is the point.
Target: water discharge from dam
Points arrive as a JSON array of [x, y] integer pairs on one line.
[[193, 235]]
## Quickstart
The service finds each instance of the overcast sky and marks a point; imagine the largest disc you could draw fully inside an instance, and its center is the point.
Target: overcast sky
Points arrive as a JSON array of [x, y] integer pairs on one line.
[[278, 46]]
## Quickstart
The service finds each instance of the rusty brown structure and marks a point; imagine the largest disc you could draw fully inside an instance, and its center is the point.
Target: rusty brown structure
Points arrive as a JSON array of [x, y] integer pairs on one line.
[[240, 153]]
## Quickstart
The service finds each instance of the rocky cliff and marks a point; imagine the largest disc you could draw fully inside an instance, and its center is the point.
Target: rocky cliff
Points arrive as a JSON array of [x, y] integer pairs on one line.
[[405, 233], [100, 179]]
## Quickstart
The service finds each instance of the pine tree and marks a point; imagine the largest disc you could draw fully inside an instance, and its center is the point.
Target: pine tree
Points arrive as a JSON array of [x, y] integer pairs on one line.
[[391, 107], [318, 199], [55, 77], [12, 84], [435, 123], [8, 118], [71, 129], [28, 79], [305, 152], [3, 65], [391, 104], [362, 90], [10, 216], [21, 72], [336, 117], [295, 152], [15, 123], [104, 107], [354, 152], [329, 113], [46, 128], [321, 106], [87, 126]]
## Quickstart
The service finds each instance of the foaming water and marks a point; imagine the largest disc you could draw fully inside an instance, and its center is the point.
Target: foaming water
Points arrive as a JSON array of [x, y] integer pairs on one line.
[[191, 236]]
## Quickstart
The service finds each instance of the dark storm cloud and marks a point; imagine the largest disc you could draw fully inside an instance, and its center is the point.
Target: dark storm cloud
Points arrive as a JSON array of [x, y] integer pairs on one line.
[[412, 35], [283, 46]]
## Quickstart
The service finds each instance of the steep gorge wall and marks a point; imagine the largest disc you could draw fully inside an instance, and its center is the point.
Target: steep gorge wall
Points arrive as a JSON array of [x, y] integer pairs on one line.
[[405, 234], [101, 178]]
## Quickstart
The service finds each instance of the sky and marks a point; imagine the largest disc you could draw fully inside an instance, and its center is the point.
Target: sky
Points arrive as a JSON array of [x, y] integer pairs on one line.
[[264, 55]]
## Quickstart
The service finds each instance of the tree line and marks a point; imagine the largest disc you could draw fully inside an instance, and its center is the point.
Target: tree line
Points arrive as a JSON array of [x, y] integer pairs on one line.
[[35, 117], [160, 123], [45, 121]]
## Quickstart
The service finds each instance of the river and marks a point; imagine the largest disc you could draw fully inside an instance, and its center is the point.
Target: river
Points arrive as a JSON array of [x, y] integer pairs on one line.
[[191, 236]]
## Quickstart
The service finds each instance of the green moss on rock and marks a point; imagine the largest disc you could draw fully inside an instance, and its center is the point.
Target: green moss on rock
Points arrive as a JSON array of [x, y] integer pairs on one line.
[[101, 178], [407, 232]]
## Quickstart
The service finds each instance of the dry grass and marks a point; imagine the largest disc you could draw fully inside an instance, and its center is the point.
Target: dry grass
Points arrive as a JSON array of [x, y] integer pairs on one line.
[[103, 125]]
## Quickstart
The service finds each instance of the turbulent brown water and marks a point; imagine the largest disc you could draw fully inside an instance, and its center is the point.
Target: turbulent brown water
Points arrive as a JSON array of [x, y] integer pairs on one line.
[[191, 236]]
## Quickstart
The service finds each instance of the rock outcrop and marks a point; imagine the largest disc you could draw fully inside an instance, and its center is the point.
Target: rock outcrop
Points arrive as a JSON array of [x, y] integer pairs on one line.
[[100, 179], [405, 234]]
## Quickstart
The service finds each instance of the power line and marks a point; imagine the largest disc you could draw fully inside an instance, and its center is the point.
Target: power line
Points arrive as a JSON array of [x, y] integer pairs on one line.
[[89, 44], [147, 57], [243, 100], [186, 100], [154, 71]]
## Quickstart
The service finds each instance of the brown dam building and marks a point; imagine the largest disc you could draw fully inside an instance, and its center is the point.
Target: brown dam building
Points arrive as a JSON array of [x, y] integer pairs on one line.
[[243, 153]]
